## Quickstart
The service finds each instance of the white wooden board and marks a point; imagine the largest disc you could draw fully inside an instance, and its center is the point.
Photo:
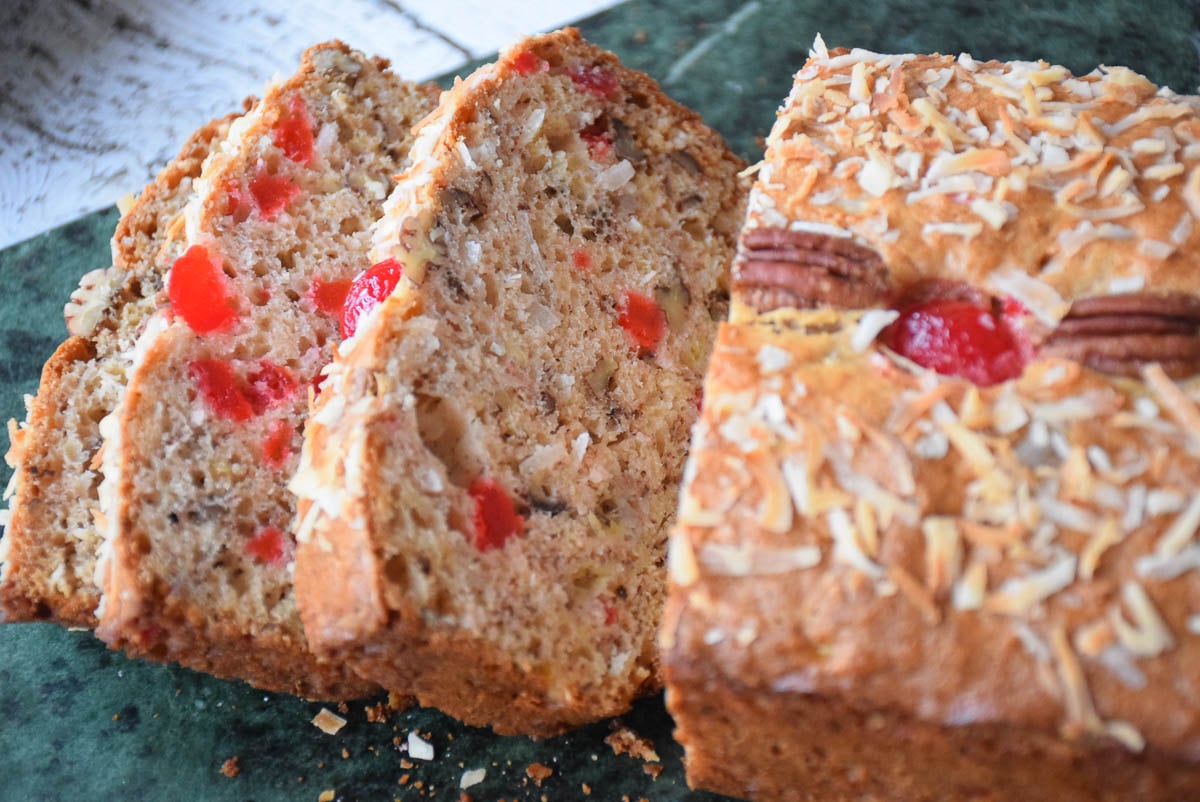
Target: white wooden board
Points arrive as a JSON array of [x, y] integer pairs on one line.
[[96, 95]]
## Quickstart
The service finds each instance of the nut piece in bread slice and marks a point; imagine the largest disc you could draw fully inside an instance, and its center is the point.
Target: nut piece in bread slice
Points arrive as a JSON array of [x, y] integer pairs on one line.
[[938, 535], [197, 457], [53, 535], [489, 475]]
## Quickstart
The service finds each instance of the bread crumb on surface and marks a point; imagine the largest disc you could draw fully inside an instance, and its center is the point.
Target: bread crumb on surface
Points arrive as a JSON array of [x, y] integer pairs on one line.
[[472, 777], [625, 741], [538, 772], [230, 767], [653, 769], [327, 795], [419, 748], [328, 722]]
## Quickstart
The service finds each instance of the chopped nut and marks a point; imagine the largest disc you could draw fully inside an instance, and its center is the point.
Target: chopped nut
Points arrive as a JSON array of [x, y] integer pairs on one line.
[[230, 767], [538, 772], [328, 722]]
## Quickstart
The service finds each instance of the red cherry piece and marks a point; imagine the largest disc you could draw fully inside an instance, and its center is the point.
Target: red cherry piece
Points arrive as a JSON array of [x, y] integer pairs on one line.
[[594, 80], [271, 546], [495, 519], [277, 447], [643, 320], [272, 193], [293, 132], [526, 63], [581, 260], [269, 386], [221, 388], [329, 296], [239, 203], [599, 140], [957, 338], [200, 292], [367, 291], [610, 614]]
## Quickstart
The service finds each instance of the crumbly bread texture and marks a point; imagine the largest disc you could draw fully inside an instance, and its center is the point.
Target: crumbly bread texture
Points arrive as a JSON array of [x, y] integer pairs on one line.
[[558, 208], [52, 536], [198, 553], [891, 584]]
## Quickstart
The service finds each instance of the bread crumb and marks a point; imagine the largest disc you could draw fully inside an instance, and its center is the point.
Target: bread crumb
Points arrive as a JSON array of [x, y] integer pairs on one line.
[[230, 767], [345, 754], [327, 795], [404, 778], [328, 722], [653, 769], [538, 772], [405, 763], [472, 777], [419, 748], [463, 796], [343, 708], [625, 741], [587, 790]]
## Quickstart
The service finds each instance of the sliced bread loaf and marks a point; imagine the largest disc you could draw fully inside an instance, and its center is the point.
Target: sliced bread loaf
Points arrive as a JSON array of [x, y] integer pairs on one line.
[[489, 476], [52, 536], [198, 552]]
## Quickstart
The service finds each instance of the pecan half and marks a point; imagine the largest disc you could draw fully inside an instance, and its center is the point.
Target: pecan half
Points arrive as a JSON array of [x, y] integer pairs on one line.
[[780, 268], [1120, 333]]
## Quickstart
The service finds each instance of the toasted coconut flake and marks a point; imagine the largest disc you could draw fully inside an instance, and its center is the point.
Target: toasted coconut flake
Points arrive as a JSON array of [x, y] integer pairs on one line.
[[1135, 508], [772, 359], [1164, 567], [1173, 399], [869, 326], [681, 562], [1181, 531], [971, 588], [1001, 536], [1081, 713], [795, 475], [1092, 639], [1108, 534], [740, 559], [1191, 192], [948, 131], [846, 549], [1019, 595], [916, 593], [1148, 635], [943, 553], [328, 722], [1193, 624], [971, 446], [1127, 734], [1042, 300], [1159, 501], [964, 230], [1008, 414], [775, 510]]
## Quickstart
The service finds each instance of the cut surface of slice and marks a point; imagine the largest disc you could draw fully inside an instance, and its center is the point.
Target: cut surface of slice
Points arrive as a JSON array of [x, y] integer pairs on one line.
[[199, 555], [491, 471], [53, 536]]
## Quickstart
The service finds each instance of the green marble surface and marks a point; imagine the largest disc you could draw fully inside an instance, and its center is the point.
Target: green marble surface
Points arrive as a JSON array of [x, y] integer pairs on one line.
[[78, 721]]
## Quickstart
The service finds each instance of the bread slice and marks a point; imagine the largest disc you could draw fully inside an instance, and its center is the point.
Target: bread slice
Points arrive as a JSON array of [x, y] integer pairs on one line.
[[198, 565], [52, 536], [487, 483]]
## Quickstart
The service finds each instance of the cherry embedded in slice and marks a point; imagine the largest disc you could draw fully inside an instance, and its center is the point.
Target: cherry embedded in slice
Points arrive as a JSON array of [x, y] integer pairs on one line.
[[277, 447], [221, 389], [293, 132], [200, 293], [329, 296], [269, 386], [367, 291], [494, 518], [643, 320], [595, 80], [526, 63], [599, 140], [581, 260], [271, 546], [958, 338], [272, 193]]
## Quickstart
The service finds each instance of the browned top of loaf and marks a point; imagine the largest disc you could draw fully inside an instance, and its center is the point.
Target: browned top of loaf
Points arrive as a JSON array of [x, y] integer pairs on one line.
[[1021, 554], [51, 536], [1017, 177]]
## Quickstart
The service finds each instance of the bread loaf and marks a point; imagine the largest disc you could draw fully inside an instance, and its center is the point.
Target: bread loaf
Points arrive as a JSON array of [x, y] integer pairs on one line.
[[937, 540]]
